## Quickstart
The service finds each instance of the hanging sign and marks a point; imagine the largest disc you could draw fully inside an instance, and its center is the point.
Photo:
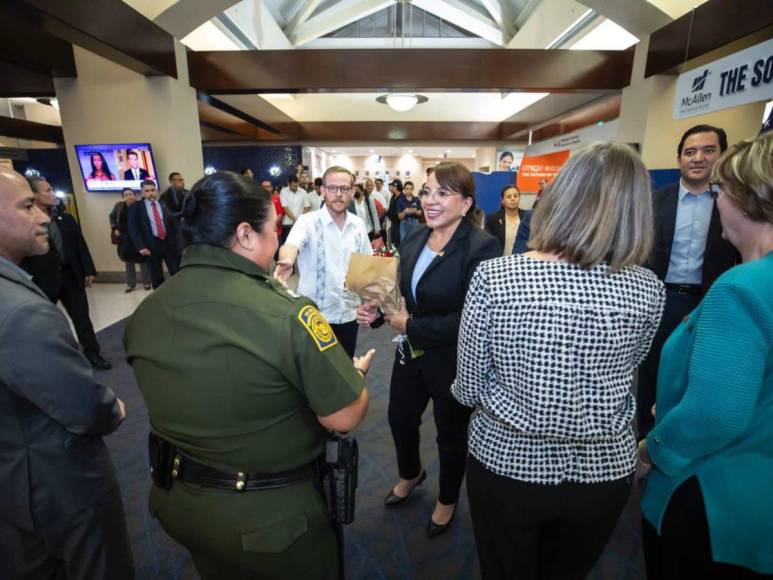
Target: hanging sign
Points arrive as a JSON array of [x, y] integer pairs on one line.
[[738, 79], [537, 168]]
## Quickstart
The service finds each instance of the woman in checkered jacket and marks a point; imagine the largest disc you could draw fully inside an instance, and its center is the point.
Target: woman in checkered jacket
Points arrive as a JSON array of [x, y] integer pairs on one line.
[[548, 346]]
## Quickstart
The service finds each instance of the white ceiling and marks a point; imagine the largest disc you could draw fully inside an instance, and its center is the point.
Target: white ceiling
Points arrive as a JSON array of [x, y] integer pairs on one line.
[[477, 107]]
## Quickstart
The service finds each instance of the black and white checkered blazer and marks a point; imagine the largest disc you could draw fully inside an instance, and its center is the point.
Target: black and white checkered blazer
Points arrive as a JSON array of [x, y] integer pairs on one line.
[[547, 353]]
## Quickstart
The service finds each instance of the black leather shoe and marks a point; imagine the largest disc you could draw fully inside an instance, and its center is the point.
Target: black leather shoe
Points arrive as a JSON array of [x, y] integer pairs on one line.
[[434, 529], [392, 499], [98, 362]]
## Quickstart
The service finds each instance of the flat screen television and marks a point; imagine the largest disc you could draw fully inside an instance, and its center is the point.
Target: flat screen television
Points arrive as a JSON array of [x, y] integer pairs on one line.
[[116, 166]]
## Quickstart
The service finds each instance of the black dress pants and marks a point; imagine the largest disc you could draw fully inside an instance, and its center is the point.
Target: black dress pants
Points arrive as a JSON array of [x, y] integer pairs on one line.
[[73, 297], [92, 544], [677, 307], [683, 549], [166, 252], [409, 393], [346, 334], [541, 532]]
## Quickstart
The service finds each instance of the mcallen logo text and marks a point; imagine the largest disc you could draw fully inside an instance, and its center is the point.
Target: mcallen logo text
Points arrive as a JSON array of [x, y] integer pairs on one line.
[[697, 99]]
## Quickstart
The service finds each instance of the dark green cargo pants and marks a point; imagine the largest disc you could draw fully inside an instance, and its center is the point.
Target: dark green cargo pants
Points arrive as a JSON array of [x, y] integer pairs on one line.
[[272, 534]]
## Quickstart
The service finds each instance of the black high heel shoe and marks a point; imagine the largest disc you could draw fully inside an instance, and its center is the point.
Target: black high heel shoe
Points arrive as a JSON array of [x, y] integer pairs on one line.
[[392, 499], [434, 529]]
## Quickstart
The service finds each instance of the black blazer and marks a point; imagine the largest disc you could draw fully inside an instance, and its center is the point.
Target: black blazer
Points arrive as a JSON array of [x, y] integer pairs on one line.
[[495, 225], [52, 412], [720, 255], [129, 175], [46, 270], [141, 231], [437, 310]]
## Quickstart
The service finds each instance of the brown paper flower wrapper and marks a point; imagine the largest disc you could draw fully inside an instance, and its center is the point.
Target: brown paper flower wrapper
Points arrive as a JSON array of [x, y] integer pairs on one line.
[[375, 278]]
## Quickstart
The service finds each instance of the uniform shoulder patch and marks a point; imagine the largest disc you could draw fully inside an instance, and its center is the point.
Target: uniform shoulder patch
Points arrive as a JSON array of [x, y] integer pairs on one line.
[[319, 329]]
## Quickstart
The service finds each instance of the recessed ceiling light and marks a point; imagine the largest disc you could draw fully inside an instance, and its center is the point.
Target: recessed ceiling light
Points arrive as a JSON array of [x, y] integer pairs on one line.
[[401, 102], [372, 150], [448, 151], [410, 150]]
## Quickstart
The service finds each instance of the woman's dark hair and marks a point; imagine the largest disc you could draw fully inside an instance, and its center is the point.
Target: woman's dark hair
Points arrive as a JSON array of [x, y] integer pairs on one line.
[[506, 154], [218, 203], [509, 186], [455, 177], [105, 166]]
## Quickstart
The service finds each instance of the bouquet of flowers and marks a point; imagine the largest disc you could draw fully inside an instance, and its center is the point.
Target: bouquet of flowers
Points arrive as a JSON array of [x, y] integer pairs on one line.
[[376, 278]]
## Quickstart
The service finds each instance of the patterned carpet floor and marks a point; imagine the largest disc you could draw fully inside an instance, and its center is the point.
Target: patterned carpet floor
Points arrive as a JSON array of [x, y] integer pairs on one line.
[[380, 544]]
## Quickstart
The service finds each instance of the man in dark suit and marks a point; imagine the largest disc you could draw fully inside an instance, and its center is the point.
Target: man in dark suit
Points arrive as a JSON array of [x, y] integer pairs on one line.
[[135, 172], [61, 512], [153, 232], [689, 252], [496, 223], [66, 270], [172, 200]]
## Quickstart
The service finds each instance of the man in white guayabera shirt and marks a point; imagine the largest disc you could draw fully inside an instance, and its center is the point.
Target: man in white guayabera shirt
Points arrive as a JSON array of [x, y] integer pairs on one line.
[[322, 242]]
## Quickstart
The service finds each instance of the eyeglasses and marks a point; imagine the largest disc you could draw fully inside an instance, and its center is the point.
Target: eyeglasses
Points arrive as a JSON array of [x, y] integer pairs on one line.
[[333, 189], [715, 188], [440, 194]]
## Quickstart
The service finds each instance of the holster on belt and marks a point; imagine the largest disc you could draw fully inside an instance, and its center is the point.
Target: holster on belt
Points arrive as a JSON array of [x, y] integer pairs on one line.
[[341, 457], [162, 455]]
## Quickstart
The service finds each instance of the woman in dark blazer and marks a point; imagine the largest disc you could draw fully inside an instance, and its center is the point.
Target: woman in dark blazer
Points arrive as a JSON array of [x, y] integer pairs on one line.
[[506, 221], [437, 262]]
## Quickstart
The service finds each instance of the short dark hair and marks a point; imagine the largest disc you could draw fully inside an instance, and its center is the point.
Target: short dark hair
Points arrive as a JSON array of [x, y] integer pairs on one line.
[[379, 179], [456, 177], [292, 179], [721, 135], [318, 182], [509, 186], [34, 180], [132, 152], [218, 203], [407, 183], [506, 154], [245, 170], [147, 182], [171, 175]]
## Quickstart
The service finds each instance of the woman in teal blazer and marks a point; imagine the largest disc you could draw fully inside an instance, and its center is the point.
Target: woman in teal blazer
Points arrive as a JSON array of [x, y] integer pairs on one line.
[[710, 492]]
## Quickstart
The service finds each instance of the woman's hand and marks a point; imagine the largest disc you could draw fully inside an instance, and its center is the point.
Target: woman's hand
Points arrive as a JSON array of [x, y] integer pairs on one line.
[[362, 363], [367, 314], [399, 320]]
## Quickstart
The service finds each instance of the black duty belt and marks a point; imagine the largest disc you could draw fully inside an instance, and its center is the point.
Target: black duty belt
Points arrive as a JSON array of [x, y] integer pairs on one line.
[[168, 464], [684, 288]]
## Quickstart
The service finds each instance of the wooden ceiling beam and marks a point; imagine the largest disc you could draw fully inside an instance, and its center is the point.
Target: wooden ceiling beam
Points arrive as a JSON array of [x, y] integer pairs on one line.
[[377, 70]]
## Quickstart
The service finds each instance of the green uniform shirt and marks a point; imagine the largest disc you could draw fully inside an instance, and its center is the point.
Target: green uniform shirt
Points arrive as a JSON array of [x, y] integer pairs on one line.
[[233, 369]]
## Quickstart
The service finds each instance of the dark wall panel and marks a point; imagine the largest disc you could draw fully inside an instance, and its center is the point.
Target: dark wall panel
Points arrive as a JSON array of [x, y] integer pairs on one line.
[[51, 164]]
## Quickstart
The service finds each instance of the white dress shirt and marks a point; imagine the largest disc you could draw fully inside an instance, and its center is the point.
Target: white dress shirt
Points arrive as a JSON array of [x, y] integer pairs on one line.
[[295, 201], [314, 201], [324, 251], [383, 196]]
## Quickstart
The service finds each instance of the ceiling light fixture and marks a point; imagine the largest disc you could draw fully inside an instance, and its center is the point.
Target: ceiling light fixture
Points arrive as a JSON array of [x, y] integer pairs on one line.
[[402, 102]]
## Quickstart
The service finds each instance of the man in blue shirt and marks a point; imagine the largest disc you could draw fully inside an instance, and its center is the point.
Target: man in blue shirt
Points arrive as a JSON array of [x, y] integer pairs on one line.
[[689, 252]]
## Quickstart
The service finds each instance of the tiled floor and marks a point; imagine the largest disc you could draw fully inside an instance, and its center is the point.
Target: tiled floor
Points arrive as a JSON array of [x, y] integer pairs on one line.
[[108, 303]]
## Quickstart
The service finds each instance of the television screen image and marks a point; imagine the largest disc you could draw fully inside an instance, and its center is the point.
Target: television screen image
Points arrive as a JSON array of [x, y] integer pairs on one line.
[[114, 167]]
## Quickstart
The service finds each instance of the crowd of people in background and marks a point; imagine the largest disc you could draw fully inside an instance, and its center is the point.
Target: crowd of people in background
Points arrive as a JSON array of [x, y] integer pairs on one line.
[[526, 330]]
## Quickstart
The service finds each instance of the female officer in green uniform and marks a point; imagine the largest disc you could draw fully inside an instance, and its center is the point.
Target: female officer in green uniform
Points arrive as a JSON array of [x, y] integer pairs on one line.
[[242, 382]]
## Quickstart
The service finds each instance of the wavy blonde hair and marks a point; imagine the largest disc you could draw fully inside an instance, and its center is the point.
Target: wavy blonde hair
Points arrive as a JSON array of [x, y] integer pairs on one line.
[[597, 209], [746, 173]]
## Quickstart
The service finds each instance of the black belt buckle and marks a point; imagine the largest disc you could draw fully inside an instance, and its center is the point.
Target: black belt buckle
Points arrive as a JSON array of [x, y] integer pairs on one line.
[[164, 462], [690, 289]]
